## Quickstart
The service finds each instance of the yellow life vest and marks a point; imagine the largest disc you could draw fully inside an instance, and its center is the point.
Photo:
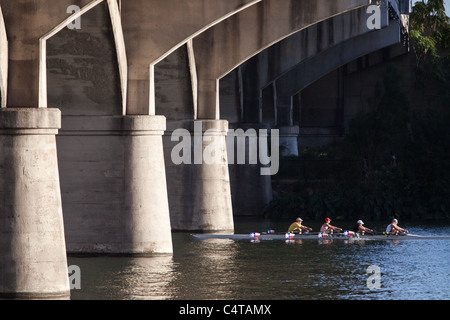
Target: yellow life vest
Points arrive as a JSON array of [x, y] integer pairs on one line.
[[295, 226]]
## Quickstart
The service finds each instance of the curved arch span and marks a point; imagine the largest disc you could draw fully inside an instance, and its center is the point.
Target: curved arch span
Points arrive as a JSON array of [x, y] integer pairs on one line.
[[257, 73], [228, 44], [150, 38], [119, 42], [26, 58], [289, 84]]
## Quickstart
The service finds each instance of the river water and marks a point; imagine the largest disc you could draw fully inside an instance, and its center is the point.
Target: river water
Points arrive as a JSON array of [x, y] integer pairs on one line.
[[217, 269]]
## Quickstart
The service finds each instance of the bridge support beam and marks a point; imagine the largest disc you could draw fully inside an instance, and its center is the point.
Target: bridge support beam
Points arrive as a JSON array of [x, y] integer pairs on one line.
[[200, 199], [33, 261]]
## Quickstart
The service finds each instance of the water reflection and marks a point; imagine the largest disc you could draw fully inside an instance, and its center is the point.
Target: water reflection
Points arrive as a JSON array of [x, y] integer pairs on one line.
[[207, 272], [298, 269], [124, 277]]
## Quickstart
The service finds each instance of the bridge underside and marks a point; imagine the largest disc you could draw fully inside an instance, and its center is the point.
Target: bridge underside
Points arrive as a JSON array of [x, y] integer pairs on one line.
[[89, 115]]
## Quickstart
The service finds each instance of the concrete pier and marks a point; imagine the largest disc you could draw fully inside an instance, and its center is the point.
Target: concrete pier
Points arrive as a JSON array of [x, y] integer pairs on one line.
[[146, 211], [33, 260], [114, 187], [200, 199]]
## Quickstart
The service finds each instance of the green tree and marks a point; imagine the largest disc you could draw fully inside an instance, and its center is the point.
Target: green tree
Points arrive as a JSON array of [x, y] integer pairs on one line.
[[430, 38], [375, 134]]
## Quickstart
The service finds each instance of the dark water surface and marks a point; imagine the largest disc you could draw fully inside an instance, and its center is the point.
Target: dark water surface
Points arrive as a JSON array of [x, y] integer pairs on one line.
[[275, 270]]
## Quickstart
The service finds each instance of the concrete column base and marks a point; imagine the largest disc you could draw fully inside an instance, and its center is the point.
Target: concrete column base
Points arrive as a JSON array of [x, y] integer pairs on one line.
[[113, 185], [33, 263], [199, 192], [146, 207]]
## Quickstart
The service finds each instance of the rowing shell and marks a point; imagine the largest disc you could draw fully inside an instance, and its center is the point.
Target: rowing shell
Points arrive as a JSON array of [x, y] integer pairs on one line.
[[338, 236]]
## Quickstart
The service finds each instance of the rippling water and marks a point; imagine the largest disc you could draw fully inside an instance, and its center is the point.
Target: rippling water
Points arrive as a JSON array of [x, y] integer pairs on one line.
[[273, 270]]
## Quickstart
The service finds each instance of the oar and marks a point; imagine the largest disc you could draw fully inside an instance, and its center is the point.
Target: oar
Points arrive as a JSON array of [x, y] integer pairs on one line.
[[392, 234], [311, 233], [414, 235]]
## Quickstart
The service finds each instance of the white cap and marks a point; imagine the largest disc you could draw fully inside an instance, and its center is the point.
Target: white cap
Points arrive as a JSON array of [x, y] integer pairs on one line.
[[299, 219], [360, 221], [395, 220]]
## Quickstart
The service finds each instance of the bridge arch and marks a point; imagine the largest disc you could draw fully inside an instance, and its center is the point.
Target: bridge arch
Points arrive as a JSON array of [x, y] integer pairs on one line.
[[26, 86], [288, 84], [273, 62], [86, 65], [119, 45], [150, 38], [225, 46]]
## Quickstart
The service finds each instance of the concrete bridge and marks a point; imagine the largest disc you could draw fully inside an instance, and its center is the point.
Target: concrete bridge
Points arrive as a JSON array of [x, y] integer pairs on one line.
[[92, 92]]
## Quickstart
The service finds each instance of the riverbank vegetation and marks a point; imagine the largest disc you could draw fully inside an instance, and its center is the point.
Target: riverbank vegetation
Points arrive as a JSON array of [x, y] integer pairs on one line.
[[395, 159]]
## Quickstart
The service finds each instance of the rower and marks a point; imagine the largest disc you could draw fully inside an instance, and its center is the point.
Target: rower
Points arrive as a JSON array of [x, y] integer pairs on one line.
[[297, 227], [393, 228], [328, 228], [359, 228]]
